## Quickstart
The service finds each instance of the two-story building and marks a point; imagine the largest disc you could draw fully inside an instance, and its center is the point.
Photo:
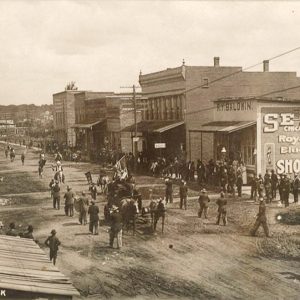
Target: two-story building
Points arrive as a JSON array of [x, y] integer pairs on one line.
[[64, 117], [100, 119], [180, 100]]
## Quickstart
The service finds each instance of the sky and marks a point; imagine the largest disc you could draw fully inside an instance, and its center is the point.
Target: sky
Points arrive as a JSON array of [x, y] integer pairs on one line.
[[103, 45]]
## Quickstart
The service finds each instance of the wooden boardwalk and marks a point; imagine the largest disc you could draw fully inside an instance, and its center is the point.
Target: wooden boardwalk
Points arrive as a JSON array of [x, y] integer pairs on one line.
[[24, 267]]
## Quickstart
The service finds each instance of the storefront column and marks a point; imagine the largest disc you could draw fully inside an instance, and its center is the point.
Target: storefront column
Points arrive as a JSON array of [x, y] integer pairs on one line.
[[161, 102]]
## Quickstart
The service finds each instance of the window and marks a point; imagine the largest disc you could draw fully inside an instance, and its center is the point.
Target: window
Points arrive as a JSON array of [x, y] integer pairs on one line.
[[205, 83]]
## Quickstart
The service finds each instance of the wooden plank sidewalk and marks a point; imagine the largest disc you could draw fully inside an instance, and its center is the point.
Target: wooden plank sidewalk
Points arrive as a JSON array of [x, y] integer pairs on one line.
[[25, 267]]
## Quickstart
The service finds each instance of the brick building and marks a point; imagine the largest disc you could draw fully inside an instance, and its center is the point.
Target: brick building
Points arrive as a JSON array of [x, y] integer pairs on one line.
[[64, 117], [100, 118], [180, 100]]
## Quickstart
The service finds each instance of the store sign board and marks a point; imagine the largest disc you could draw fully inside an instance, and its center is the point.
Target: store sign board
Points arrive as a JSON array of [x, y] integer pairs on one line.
[[159, 145], [235, 105], [280, 139]]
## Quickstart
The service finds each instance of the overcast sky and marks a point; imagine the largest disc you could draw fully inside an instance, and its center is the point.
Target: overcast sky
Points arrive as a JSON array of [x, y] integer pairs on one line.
[[104, 45]]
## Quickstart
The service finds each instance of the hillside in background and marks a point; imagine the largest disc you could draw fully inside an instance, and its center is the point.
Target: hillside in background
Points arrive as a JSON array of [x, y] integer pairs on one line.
[[22, 112]]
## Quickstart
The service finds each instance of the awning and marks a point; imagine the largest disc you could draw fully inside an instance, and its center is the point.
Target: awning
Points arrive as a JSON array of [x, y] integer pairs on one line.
[[153, 126], [87, 125], [226, 126]]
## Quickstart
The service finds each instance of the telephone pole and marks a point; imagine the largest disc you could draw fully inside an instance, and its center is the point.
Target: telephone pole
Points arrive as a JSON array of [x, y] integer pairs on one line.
[[135, 138]]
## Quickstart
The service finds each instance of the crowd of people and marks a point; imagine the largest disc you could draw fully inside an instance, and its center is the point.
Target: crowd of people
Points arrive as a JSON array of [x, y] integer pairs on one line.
[[229, 177]]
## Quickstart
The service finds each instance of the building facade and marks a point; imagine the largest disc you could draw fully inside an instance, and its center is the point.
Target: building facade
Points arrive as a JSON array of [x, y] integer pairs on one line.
[[183, 98], [64, 117], [100, 119], [259, 131]]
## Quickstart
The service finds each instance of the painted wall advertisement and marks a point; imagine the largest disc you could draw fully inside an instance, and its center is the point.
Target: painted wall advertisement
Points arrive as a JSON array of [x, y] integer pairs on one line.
[[280, 139]]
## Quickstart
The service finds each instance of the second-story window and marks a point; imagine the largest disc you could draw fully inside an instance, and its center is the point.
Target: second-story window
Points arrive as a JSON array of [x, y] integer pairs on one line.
[[205, 83]]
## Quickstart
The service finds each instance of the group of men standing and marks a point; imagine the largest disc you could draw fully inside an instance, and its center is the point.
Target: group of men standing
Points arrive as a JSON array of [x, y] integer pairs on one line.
[[269, 184]]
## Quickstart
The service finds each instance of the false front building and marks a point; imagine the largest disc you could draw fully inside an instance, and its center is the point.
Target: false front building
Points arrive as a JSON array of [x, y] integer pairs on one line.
[[180, 100], [100, 120]]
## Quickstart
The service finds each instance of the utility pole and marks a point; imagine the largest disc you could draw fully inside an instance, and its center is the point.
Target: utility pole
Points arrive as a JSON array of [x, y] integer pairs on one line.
[[135, 138], [135, 129]]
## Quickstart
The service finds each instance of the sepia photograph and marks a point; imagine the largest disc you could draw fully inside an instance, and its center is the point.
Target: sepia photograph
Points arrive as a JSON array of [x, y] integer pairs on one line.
[[149, 150]]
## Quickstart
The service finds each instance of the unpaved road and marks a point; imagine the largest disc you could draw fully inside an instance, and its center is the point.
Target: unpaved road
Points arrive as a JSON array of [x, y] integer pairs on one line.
[[205, 261]]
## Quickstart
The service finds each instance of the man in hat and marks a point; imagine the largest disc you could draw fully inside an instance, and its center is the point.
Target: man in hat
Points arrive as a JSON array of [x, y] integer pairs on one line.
[[183, 191], [83, 208], [203, 202], [274, 183], [296, 186], [93, 190], [115, 227], [254, 187], [56, 195], [222, 213], [169, 190], [136, 195], [239, 183], [268, 186], [93, 211], [53, 242], [12, 230], [23, 158], [286, 186], [1, 228], [69, 202], [261, 219]]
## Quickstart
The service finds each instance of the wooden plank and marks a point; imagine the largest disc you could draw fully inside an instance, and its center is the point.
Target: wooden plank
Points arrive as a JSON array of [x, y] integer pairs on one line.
[[30, 272], [23, 258], [33, 280], [43, 290], [36, 285], [24, 266]]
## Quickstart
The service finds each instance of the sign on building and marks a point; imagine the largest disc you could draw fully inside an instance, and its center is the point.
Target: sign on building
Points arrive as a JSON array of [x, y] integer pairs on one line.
[[280, 139], [159, 145]]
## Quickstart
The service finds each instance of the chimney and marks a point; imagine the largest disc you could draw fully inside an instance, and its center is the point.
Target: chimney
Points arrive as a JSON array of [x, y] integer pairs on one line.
[[216, 61], [266, 65]]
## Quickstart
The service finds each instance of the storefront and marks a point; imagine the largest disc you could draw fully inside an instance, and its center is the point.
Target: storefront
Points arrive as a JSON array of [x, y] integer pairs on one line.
[[263, 133], [160, 138]]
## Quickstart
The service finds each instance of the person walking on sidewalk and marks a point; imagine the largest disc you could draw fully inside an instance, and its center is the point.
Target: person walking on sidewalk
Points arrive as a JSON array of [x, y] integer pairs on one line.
[[53, 242]]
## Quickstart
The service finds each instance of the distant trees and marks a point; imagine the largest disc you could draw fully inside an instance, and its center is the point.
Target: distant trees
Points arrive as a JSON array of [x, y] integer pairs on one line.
[[71, 86]]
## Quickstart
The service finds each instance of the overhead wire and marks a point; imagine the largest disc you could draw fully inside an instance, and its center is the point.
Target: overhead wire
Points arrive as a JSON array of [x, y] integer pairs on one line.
[[234, 73]]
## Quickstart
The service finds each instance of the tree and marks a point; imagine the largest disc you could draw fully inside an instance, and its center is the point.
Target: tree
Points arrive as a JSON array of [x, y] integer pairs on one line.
[[71, 86]]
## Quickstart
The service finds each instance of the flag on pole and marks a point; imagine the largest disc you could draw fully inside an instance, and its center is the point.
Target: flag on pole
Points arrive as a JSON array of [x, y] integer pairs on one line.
[[121, 167]]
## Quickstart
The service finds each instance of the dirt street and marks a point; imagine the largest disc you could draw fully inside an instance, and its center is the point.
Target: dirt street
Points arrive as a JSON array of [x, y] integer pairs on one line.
[[193, 259]]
